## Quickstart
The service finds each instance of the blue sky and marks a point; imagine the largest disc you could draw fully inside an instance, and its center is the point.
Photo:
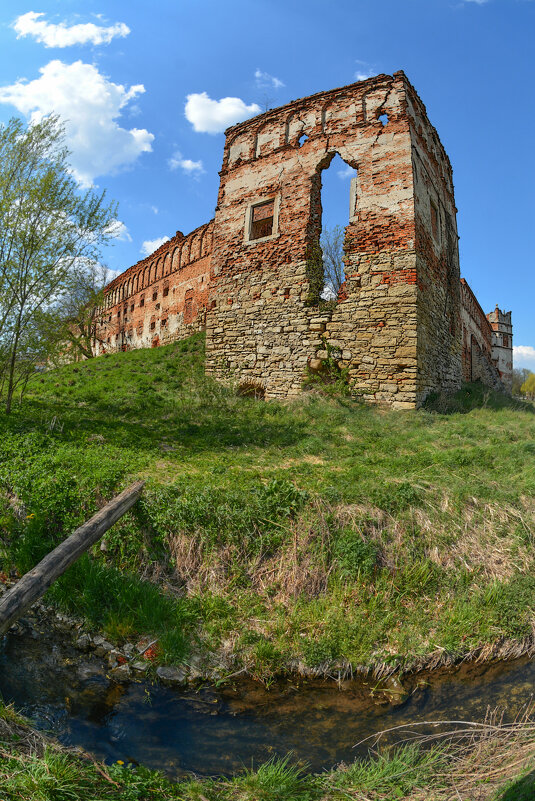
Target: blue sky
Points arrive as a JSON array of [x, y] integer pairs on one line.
[[147, 89]]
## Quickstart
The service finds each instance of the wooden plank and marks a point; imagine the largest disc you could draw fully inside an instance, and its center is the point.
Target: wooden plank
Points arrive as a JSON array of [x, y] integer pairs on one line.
[[34, 584]]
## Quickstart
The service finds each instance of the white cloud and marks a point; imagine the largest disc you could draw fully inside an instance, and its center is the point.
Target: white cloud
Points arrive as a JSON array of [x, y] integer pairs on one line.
[[266, 81], [89, 105], [361, 75], [213, 116], [365, 70], [524, 355], [118, 230], [347, 172], [178, 162], [154, 209], [150, 245], [63, 35]]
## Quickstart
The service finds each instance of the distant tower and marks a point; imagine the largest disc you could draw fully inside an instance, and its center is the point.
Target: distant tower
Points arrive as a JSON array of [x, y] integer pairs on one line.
[[502, 345]]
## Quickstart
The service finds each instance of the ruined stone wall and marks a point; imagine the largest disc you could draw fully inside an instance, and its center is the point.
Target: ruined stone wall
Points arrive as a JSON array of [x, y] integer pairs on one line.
[[266, 324], [161, 298], [403, 324], [477, 357], [502, 345], [436, 244]]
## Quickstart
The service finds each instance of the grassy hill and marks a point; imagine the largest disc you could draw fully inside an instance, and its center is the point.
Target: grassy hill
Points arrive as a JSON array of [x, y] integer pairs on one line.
[[304, 534]]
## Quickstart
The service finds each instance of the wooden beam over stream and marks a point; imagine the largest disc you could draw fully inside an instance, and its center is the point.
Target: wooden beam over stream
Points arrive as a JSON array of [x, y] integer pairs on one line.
[[35, 583]]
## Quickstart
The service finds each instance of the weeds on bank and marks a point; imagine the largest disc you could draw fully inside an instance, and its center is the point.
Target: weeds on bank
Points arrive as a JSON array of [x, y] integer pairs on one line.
[[490, 761], [321, 531]]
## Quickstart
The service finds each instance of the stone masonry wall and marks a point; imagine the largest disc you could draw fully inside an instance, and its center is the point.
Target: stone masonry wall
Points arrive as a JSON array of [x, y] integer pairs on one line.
[[502, 345], [161, 298], [477, 357], [403, 324], [265, 324]]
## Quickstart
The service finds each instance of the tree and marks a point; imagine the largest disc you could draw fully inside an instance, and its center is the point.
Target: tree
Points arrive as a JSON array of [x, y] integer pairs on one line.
[[332, 245], [520, 375], [528, 387], [48, 227], [80, 309]]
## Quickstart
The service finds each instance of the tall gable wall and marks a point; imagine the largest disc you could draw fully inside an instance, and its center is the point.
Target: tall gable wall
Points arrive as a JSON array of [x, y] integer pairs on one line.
[[267, 324]]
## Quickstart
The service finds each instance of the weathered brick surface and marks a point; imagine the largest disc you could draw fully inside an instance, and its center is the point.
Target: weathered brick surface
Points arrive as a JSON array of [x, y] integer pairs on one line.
[[502, 345], [253, 275], [161, 298], [392, 323]]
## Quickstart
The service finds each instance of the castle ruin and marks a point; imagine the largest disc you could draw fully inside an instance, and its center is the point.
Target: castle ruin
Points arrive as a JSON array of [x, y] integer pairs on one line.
[[404, 323]]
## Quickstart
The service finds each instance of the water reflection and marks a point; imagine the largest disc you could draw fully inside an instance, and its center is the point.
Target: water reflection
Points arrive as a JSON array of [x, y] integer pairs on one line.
[[217, 732]]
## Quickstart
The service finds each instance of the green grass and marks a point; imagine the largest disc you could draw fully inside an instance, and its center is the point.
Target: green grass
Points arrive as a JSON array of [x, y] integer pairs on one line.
[[320, 529]]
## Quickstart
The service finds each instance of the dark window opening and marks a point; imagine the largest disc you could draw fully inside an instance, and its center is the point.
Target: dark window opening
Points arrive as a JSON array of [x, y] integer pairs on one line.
[[262, 220], [250, 389], [383, 119], [142, 301], [164, 322], [152, 326], [188, 310], [154, 295], [165, 291], [505, 341], [302, 139], [132, 307]]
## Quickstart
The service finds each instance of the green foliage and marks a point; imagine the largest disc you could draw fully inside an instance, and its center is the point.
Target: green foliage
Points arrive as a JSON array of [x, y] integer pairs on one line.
[[251, 516], [356, 557], [528, 387], [330, 379], [314, 273], [336, 530], [48, 228], [470, 397], [274, 780]]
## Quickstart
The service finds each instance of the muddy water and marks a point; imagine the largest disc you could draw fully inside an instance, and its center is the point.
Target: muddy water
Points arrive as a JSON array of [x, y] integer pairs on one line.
[[218, 731]]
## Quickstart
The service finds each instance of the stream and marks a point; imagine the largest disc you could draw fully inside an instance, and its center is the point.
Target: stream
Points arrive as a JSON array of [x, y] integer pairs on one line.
[[217, 731]]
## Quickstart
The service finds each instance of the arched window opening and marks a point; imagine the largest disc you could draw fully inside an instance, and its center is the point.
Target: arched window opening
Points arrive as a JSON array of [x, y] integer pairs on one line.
[[337, 208]]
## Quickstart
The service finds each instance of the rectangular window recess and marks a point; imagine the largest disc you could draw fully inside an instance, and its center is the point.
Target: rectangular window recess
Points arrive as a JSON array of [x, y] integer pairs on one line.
[[262, 220]]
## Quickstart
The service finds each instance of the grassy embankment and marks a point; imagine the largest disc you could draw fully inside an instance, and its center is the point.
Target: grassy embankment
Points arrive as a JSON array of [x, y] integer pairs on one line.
[[319, 532], [496, 764]]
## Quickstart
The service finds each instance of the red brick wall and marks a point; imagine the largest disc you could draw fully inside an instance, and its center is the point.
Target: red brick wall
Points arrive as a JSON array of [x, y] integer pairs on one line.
[[162, 297]]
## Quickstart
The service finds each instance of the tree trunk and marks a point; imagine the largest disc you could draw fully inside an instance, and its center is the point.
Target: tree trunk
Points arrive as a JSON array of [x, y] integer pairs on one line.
[[34, 584]]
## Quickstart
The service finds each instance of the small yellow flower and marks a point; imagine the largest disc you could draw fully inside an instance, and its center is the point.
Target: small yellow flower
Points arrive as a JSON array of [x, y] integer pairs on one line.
[[120, 762], [28, 517]]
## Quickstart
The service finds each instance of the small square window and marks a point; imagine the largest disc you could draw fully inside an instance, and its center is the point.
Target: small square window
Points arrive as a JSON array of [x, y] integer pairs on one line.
[[262, 220]]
